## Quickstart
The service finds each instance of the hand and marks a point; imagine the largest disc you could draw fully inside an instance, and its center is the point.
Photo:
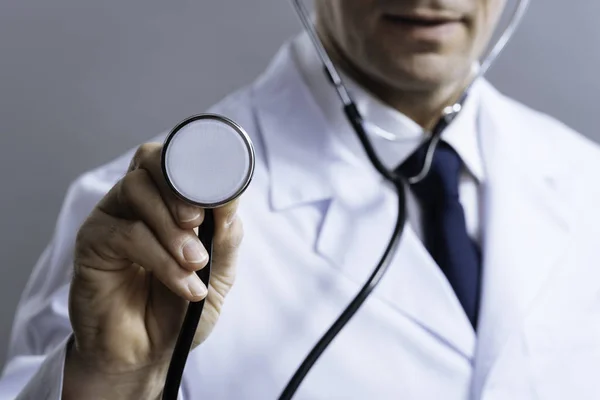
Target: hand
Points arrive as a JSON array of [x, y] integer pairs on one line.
[[134, 274]]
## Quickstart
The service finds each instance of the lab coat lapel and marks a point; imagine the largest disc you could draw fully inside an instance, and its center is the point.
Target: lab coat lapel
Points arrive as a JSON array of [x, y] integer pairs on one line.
[[353, 238], [525, 225], [307, 165], [300, 155]]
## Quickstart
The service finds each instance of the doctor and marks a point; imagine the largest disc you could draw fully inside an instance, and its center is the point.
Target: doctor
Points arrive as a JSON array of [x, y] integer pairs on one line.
[[520, 320]]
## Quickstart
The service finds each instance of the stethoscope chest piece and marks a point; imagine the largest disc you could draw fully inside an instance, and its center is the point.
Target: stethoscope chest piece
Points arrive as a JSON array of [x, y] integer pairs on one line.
[[208, 160]]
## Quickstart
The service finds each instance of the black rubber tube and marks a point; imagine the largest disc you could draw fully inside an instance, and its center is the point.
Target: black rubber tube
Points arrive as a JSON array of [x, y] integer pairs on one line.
[[358, 301], [192, 316]]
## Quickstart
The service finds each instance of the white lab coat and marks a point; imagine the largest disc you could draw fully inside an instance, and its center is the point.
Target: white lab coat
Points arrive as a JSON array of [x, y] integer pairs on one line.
[[316, 223]]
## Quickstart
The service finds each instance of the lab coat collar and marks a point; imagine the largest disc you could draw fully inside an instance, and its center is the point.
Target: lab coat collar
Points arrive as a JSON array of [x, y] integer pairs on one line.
[[526, 221], [293, 131]]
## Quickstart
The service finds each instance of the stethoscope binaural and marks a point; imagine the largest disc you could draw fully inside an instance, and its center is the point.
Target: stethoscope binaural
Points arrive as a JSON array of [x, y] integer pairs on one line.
[[208, 161]]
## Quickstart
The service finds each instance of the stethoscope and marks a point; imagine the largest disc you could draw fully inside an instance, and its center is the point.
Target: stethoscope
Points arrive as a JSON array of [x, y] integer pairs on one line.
[[208, 161]]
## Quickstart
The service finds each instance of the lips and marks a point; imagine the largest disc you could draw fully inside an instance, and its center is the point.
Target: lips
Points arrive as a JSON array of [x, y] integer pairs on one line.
[[423, 18], [423, 30]]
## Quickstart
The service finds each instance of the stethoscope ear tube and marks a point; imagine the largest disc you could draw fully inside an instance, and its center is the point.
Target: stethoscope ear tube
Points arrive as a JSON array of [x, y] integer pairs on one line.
[[356, 121], [192, 317]]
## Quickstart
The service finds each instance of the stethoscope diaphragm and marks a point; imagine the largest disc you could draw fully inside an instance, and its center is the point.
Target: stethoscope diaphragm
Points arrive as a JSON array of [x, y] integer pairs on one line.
[[208, 160]]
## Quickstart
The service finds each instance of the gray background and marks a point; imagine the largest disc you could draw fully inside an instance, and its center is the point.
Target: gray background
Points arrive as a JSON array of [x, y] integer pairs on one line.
[[81, 82]]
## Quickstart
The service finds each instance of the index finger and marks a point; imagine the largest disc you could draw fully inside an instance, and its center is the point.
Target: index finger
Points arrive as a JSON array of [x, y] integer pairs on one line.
[[149, 157]]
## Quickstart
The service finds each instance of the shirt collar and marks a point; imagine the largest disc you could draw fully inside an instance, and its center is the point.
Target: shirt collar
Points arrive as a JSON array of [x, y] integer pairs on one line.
[[304, 158], [462, 134]]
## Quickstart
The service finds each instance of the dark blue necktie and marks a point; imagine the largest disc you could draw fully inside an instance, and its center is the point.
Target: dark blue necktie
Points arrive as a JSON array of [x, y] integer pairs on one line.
[[444, 227]]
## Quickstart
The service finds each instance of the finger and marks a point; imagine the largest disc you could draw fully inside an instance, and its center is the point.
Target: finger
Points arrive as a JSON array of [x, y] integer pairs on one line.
[[135, 242], [139, 192], [226, 246], [149, 157], [228, 236]]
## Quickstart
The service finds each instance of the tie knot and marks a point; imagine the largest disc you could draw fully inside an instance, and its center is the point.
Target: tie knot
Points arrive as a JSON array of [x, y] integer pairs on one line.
[[442, 180]]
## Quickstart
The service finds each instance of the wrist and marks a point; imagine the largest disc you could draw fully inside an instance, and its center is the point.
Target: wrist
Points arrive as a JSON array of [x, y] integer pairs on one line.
[[83, 379]]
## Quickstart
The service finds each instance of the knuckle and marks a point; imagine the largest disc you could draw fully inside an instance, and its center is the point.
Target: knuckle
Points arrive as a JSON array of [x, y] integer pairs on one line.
[[149, 155], [93, 236], [130, 185], [81, 241], [231, 214], [125, 192], [142, 153], [232, 239], [80, 237], [179, 241], [85, 234], [237, 232], [116, 237], [128, 232]]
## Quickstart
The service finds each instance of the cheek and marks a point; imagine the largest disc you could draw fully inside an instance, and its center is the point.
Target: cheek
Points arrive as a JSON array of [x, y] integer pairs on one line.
[[486, 22], [353, 30], [338, 18], [353, 19]]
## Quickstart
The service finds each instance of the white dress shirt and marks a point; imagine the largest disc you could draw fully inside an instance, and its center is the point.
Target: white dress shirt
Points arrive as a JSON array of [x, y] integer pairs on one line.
[[462, 134]]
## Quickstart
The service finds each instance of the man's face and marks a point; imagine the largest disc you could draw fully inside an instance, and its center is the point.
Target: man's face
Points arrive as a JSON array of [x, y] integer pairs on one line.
[[409, 44]]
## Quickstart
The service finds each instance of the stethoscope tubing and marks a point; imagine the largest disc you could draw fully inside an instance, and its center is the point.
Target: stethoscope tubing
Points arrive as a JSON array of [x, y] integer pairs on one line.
[[192, 317]]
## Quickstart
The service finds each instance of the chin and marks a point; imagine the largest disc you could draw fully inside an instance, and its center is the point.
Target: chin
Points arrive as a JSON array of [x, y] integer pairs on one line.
[[424, 71]]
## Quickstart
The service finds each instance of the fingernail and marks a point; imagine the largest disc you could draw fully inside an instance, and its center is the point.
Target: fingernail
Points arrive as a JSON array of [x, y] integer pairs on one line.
[[193, 252], [196, 287], [187, 214]]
